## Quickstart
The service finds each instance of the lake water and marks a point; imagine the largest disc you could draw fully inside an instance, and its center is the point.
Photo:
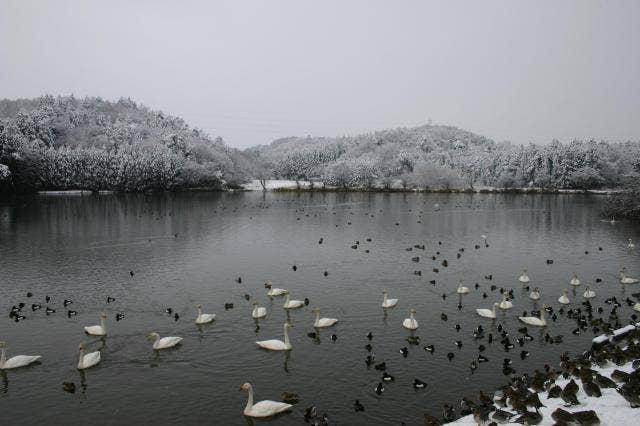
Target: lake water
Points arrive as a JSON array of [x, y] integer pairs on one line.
[[186, 249]]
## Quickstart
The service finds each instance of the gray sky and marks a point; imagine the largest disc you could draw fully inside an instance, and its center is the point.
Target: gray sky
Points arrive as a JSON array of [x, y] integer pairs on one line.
[[253, 71]]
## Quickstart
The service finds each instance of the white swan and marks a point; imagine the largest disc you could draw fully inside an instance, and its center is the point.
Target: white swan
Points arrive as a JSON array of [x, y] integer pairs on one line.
[[323, 322], [258, 311], [204, 318], [388, 303], [631, 245], [588, 293], [275, 291], [15, 361], [624, 279], [524, 278], [564, 299], [292, 304], [88, 360], [535, 294], [505, 304], [574, 280], [98, 330], [462, 289], [165, 342], [488, 313], [263, 408], [278, 345], [539, 322], [411, 322]]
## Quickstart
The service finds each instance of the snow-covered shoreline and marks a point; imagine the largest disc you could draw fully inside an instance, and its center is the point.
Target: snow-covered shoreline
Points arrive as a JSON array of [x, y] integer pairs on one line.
[[611, 408], [303, 185]]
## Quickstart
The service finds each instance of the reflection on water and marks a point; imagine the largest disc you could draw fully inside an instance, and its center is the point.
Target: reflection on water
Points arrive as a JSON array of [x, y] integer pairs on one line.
[[186, 249]]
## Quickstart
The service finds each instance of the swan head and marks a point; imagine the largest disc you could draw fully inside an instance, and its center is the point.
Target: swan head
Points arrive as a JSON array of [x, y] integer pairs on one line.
[[565, 291], [385, 292], [81, 346], [413, 311], [245, 387], [255, 303], [153, 336], [267, 284], [315, 310], [103, 315], [199, 306], [288, 325], [3, 344]]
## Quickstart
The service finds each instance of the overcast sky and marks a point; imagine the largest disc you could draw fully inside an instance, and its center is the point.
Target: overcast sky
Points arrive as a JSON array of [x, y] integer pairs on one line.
[[253, 71]]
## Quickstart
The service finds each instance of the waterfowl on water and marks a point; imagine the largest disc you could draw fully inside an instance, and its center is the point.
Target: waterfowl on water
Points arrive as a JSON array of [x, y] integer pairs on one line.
[[278, 345], [379, 388], [258, 311], [88, 360], [264, 408], [631, 245], [524, 278], [410, 323], [322, 322], [564, 299], [273, 291], [588, 293], [98, 330], [15, 361], [535, 294], [538, 322], [574, 280], [462, 289], [505, 304], [386, 302], [165, 342], [204, 318], [292, 304], [488, 313], [624, 279]]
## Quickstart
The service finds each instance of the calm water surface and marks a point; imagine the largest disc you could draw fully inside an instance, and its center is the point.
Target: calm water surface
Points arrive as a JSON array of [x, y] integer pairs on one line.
[[187, 249]]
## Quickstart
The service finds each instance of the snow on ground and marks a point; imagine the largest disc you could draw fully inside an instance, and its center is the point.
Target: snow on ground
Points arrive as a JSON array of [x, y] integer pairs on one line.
[[272, 184], [611, 407]]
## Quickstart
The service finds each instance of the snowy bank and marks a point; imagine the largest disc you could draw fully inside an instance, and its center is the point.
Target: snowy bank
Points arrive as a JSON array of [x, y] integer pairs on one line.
[[275, 184]]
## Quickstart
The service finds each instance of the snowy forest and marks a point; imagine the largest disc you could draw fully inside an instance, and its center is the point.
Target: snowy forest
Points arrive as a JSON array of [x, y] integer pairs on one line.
[[69, 143]]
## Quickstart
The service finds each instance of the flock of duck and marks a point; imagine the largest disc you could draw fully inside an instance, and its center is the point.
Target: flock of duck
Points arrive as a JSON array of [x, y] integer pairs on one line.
[[516, 393]]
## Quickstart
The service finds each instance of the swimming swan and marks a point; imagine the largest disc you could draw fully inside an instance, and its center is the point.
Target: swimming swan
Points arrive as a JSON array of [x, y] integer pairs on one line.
[[574, 280], [535, 294], [258, 311], [588, 293], [624, 279], [323, 322], [564, 299], [204, 318], [505, 304], [165, 342], [631, 245], [98, 330], [388, 303], [411, 322], [88, 360], [539, 322], [263, 408], [278, 345], [16, 361], [275, 291], [462, 289], [488, 313], [292, 304], [636, 308], [524, 278]]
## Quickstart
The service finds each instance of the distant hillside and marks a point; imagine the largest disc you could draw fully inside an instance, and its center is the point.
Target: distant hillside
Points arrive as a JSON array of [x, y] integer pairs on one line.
[[435, 156], [70, 143]]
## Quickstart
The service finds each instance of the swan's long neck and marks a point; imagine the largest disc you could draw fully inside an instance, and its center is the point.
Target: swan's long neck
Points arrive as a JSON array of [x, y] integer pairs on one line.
[[286, 341], [103, 324], [81, 360], [199, 312], [412, 318], [384, 298], [250, 399], [544, 321], [3, 357], [318, 317]]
